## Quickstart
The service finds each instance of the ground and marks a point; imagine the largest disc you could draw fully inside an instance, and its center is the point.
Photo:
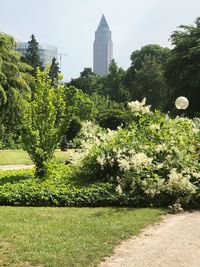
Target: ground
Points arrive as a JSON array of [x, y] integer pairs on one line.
[[175, 242]]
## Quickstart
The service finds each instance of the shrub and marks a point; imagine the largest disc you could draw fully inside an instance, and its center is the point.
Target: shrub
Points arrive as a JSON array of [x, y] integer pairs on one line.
[[113, 118], [155, 160], [20, 188]]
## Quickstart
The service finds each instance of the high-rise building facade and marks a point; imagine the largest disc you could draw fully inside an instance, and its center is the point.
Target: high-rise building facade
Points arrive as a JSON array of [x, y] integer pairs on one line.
[[46, 52], [103, 48]]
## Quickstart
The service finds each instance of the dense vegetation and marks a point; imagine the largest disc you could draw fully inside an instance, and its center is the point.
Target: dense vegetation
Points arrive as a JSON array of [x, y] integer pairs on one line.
[[128, 153]]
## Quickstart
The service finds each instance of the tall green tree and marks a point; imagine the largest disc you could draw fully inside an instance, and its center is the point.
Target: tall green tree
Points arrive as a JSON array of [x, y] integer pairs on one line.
[[88, 81], [183, 64], [145, 77], [154, 51], [54, 72], [14, 85], [32, 55], [112, 85], [43, 121], [149, 83]]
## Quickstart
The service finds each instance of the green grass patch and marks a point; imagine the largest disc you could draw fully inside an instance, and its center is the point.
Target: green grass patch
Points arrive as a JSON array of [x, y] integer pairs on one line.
[[19, 156], [56, 237]]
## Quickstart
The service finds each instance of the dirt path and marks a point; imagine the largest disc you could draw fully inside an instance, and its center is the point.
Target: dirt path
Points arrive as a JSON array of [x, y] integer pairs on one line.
[[175, 242], [15, 167]]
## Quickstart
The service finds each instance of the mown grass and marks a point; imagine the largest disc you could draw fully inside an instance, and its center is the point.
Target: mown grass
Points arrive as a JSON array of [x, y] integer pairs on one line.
[[19, 156], [56, 237]]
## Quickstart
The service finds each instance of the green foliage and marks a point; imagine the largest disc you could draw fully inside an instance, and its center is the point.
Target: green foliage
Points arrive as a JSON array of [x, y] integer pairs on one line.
[[183, 64], [14, 85], [79, 105], [145, 77], [152, 51], [23, 189], [112, 84], [72, 131], [87, 82], [154, 161], [54, 72], [149, 83], [32, 55], [113, 118], [43, 121]]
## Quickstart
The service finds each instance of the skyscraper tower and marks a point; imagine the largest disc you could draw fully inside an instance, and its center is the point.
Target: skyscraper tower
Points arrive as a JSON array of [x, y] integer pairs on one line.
[[103, 48]]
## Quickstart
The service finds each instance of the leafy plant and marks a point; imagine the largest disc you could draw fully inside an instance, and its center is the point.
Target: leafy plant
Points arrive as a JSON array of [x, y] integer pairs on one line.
[[43, 120]]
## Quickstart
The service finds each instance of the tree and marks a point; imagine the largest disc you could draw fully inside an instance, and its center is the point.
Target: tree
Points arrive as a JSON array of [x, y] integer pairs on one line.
[[153, 51], [145, 77], [183, 64], [79, 105], [149, 83], [87, 82], [79, 108], [32, 55], [14, 85], [54, 72], [112, 85], [43, 121]]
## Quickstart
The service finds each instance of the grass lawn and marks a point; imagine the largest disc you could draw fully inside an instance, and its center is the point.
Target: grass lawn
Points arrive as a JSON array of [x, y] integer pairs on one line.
[[61, 237], [19, 156]]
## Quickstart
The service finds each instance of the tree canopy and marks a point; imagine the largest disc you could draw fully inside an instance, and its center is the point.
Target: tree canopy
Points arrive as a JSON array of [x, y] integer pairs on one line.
[[32, 55], [14, 83], [183, 64], [145, 77]]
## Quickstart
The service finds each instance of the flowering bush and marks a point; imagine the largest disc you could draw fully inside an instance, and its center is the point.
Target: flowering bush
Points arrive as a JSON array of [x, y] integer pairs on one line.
[[154, 160]]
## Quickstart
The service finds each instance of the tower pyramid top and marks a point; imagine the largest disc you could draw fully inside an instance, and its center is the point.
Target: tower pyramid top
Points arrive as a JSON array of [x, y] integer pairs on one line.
[[103, 23]]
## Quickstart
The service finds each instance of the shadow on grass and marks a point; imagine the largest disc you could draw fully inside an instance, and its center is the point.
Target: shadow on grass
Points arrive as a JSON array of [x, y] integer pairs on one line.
[[14, 178]]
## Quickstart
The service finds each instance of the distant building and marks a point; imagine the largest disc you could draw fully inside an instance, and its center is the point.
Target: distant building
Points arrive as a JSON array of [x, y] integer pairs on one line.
[[103, 48], [46, 52]]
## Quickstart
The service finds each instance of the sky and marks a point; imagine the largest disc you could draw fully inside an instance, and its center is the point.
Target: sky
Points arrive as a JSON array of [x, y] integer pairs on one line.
[[70, 25]]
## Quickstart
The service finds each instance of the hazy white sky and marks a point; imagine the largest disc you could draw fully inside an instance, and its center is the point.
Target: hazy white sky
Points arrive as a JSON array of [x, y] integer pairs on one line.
[[70, 25]]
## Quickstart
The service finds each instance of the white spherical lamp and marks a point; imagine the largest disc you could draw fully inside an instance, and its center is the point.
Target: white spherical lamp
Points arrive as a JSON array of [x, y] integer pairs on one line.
[[181, 102]]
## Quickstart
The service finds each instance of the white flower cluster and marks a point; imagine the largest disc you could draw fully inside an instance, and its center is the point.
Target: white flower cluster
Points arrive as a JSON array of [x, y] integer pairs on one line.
[[93, 135], [161, 148], [125, 159], [178, 182], [141, 160], [196, 123], [151, 187], [154, 127], [196, 175], [139, 107], [119, 189]]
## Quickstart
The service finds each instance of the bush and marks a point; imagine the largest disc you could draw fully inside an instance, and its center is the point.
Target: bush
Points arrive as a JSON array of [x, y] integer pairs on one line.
[[20, 188], [155, 160]]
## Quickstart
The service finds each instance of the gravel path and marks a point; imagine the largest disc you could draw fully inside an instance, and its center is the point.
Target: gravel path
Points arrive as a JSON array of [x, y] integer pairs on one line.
[[15, 167], [175, 242]]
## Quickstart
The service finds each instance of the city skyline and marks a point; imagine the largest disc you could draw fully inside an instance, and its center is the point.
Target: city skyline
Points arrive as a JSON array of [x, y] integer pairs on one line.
[[70, 25]]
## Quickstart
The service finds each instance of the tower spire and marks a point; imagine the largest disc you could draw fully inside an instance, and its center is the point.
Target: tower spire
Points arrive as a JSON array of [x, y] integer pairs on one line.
[[103, 23]]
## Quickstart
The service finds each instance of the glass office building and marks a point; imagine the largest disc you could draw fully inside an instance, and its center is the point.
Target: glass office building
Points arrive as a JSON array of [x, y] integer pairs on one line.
[[46, 52]]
